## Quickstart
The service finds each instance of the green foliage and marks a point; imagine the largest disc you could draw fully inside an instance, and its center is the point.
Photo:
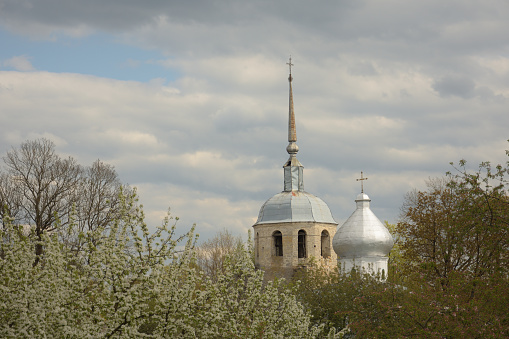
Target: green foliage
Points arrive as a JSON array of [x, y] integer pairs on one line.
[[423, 309], [453, 274], [448, 272], [330, 296], [396, 261], [457, 225], [367, 307]]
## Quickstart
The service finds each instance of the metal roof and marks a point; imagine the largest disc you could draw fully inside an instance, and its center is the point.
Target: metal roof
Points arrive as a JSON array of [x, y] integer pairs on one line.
[[363, 234], [294, 206]]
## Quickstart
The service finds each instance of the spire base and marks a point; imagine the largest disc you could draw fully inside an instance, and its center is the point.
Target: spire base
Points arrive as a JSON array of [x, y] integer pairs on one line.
[[293, 161]]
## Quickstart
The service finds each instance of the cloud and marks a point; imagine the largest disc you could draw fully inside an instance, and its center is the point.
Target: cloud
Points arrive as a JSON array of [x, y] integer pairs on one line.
[[226, 149], [19, 63], [394, 89], [459, 86], [133, 138]]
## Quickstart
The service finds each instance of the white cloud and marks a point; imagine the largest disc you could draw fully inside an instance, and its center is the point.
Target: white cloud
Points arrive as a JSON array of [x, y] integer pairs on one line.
[[19, 63], [210, 212], [133, 138]]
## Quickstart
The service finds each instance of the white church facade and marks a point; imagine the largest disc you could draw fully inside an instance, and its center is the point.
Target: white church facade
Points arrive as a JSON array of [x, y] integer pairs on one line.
[[295, 228]]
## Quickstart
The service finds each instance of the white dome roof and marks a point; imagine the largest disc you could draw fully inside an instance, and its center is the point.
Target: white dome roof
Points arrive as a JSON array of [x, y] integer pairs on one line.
[[294, 206], [362, 235]]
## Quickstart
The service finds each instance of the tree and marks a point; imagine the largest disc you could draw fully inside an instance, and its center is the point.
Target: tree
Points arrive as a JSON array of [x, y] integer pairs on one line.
[[212, 254], [448, 277], [396, 261], [454, 244], [489, 207], [455, 227], [131, 283], [423, 309], [104, 290], [42, 190], [98, 203], [39, 187]]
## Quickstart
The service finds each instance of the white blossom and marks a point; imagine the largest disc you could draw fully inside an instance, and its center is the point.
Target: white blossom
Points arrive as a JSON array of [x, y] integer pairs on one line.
[[129, 283]]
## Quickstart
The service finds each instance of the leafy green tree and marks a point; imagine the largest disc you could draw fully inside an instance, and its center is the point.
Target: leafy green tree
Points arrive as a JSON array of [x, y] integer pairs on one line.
[[331, 295], [423, 309], [488, 206], [454, 245], [456, 226], [396, 261]]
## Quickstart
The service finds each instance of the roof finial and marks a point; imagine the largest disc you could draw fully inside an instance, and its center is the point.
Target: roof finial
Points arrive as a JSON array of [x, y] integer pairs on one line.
[[362, 182], [289, 63], [292, 148]]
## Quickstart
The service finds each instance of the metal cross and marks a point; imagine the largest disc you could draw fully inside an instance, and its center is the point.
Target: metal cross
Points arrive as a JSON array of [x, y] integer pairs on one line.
[[362, 182], [289, 63]]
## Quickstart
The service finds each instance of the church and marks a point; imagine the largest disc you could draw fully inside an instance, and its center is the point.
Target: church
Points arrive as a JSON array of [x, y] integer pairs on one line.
[[295, 229]]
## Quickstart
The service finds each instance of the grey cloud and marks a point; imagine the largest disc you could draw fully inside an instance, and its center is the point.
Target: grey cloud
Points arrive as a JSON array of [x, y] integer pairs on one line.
[[241, 21], [363, 69], [460, 86]]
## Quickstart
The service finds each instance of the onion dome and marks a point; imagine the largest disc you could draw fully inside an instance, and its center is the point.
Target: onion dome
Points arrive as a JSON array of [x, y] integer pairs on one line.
[[294, 204], [363, 234]]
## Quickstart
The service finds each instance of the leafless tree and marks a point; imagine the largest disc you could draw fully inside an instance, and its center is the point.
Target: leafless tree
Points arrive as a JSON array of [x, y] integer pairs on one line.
[[211, 255], [42, 186], [98, 202], [48, 193]]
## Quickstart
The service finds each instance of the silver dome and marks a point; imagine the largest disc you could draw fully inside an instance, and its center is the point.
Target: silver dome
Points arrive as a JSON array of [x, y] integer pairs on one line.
[[362, 235], [294, 206]]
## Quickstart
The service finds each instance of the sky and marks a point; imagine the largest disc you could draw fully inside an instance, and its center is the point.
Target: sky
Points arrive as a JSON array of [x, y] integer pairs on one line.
[[189, 99]]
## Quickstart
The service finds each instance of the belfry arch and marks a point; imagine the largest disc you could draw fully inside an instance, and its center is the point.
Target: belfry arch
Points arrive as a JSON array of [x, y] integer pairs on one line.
[[325, 244], [301, 244], [277, 237]]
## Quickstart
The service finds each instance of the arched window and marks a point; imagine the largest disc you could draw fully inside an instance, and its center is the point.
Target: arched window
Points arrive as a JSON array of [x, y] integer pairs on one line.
[[302, 244], [257, 245], [325, 242], [278, 243]]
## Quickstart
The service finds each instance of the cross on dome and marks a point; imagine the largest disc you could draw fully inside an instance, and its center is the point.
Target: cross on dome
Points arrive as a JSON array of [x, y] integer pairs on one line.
[[362, 182]]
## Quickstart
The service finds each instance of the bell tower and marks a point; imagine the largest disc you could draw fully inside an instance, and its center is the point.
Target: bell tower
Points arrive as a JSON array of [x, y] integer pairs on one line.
[[293, 227]]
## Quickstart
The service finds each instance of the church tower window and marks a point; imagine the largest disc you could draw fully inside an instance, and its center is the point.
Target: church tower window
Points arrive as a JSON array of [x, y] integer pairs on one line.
[[302, 244], [257, 245], [325, 244], [278, 243]]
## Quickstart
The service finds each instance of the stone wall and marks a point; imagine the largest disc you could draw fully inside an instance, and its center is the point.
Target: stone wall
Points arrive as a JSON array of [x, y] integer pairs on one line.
[[265, 251]]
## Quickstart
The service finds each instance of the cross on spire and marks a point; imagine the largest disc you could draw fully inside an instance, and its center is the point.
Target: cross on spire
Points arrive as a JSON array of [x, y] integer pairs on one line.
[[289, 63], [362, 182]]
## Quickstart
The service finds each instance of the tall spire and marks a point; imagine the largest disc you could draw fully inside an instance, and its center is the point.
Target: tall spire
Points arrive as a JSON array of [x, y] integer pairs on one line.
[[293, 168], [292, 148]]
